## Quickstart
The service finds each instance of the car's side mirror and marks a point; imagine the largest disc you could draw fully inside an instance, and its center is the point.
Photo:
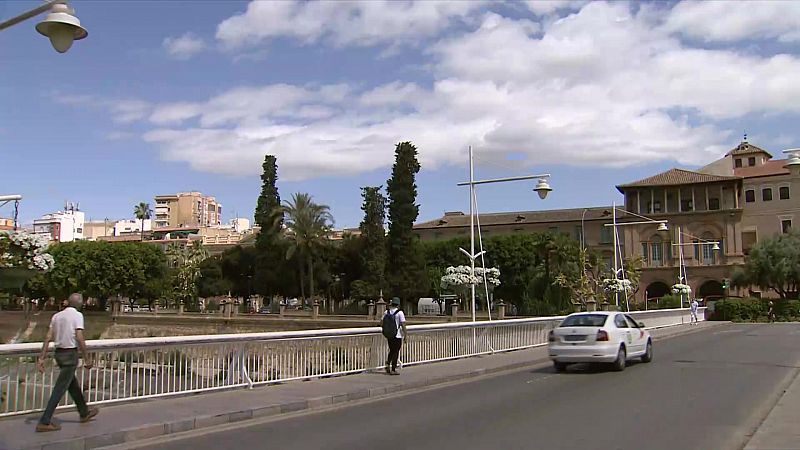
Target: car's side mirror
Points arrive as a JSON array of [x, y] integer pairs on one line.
[[641, 324]]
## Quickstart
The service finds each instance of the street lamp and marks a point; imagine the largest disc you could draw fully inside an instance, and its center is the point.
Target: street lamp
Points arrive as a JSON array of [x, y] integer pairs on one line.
[[4, 199], [682, 276], [662, 226], [542, 189], [61, 25]]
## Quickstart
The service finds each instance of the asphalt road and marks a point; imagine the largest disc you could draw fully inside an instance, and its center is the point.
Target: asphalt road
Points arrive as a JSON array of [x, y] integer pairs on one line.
[[706, 390]]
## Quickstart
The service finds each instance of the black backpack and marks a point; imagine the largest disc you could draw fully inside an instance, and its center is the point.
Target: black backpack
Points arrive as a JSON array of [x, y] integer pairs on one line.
[[389, 325]]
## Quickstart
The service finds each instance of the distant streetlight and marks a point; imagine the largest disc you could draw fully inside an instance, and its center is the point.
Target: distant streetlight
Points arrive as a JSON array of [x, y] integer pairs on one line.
[[61, 26], [683, 278], [662, 226], [542, 189]]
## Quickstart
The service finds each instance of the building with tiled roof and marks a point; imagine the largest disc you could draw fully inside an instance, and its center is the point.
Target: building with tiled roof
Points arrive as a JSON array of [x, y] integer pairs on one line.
[[735, 201]]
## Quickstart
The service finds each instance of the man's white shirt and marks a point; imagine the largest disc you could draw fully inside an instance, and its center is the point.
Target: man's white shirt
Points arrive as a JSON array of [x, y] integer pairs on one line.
[[64, 324]]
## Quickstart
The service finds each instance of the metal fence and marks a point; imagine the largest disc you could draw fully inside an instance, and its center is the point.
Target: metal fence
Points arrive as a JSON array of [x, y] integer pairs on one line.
[[129, 369]]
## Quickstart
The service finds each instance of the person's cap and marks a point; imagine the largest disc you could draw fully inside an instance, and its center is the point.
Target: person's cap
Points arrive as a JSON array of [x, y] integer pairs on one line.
[[396, 301]]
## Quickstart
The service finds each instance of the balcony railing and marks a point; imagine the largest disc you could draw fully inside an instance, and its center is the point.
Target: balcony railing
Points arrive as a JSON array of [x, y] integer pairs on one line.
[[133, 369]]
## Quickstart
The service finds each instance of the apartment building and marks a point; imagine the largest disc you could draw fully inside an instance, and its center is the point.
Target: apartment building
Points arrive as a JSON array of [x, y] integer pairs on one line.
[[735, 201], [187, 209], [61, 226]]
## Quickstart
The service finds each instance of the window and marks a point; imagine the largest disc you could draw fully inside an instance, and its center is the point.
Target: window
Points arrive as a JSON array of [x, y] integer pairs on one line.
[[786, 225], [686, 205], [645, 252], [751, 161], [783, 193], [713, 204], [620, 322], [708, 255], [606, 235], [766, 194], [750, 196], [657, 252], [657, 206], [585, 320], [632, 322], [737, 163]]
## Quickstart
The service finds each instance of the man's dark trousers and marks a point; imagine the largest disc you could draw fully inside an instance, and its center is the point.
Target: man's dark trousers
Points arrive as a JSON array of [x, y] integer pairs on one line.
[[394, 351], [67, 360]]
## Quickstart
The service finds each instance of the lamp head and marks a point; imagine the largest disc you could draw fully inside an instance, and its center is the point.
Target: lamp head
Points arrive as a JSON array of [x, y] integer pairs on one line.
[[662, 227], [715, 247], [542, 188], [62, 27]]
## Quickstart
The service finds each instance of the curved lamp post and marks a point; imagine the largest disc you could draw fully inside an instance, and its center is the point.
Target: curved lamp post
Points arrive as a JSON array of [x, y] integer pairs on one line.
[[61, 25], [542, 189]]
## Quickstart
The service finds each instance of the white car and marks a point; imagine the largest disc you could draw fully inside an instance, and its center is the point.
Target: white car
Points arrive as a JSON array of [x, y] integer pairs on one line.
[[599, 337]]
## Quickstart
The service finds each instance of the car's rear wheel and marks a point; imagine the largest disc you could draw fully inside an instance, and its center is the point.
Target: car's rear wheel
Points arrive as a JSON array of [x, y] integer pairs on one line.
[[648, 353], [560, 366], [619, 364]]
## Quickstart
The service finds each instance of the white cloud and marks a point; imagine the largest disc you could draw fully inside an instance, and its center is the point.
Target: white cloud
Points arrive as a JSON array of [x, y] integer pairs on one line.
[[184, 46], [726, 21], [608, 85], [544, 7], [342, 23]]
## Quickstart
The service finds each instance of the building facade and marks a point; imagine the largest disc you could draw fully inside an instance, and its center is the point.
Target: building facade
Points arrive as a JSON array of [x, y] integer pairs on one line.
[[187, 209], [732, 203], [6, 224], [61, 226]]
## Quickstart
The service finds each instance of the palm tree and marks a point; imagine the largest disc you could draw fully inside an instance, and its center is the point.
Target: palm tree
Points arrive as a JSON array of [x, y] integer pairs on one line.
[[307, 226], [143, 212], [186, 259]]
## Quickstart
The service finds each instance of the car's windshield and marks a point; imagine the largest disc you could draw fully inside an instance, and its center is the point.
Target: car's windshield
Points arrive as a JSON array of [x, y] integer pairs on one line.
[[585, 320]]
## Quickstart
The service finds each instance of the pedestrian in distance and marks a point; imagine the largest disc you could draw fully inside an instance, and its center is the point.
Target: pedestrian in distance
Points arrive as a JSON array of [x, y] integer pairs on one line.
[[694, 306], [771, 312], [393, 326], [66, 333]]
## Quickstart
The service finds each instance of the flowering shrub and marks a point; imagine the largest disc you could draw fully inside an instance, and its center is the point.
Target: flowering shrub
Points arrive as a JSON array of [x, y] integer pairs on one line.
[[617, 285], [24, 250], [462, 276], [681, 289]]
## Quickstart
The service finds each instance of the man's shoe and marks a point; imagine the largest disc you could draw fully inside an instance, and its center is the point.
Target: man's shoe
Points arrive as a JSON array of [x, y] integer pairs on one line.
[[394, 372], [92, 412], [45, 427], [388, 369]]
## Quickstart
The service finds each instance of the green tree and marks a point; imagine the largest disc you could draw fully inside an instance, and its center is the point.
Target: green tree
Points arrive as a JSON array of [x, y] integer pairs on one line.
[[268, 273], [186, 261], [307, 226], [212, 282], [405, 264], [143, 212], [103, 270], [774, 264], [373, 236]]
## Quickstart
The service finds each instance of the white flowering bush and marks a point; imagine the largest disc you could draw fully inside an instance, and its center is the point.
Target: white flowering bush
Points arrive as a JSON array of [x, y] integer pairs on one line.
[[616, 285], [24, 250], [681, 289], [461, 276]]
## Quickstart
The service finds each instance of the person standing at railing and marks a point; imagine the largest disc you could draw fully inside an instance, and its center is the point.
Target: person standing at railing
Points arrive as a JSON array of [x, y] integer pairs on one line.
[[66, 332], [394, 329]]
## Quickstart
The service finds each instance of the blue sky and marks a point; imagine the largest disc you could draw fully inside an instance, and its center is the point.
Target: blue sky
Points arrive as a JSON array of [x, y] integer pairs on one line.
[[174, 96]]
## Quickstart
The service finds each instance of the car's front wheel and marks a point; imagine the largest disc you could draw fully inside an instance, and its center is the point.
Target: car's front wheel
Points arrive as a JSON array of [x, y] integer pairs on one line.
[[560, 366], [648, 353], [619, 364]]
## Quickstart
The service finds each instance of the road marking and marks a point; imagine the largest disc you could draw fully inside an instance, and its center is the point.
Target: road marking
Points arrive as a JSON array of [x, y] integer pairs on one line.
[[539, 379]]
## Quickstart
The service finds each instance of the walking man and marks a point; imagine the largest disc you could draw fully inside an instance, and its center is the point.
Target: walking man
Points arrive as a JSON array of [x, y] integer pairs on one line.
[[394, 329], [694, 306], [66, 332]]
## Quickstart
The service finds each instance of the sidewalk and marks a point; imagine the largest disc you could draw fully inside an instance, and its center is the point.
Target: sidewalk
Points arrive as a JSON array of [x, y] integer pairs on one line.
[[780, 431], [134, 421]]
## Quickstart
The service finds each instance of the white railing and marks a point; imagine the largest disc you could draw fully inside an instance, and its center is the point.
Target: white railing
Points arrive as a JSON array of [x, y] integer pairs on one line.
[[129, 369]]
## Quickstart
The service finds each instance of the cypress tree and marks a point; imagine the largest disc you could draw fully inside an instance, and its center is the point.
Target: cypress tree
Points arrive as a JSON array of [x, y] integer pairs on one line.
[[373, 236], [405, 264]]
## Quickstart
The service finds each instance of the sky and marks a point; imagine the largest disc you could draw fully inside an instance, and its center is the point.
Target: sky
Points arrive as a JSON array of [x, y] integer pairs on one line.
[[176, 96]]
